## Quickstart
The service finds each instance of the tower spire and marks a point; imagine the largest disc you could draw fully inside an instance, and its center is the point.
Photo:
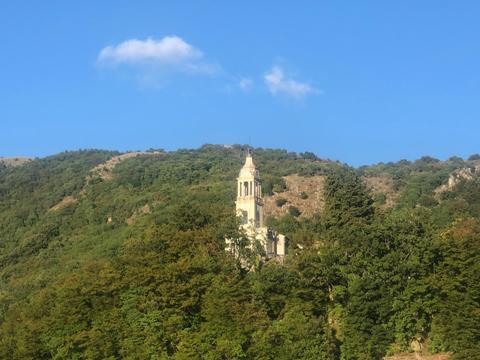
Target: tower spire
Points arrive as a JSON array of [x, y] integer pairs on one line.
[[249, 193], [249, 207]]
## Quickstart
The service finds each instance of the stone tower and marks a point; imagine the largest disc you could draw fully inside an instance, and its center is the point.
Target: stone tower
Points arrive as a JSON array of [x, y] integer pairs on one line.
[[249, 207], [249, 202]]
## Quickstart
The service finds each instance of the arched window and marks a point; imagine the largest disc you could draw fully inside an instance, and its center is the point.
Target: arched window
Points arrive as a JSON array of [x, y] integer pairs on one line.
[[245, 188]]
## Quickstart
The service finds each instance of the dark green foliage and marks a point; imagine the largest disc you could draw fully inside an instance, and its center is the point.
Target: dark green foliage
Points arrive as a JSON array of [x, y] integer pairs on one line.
[[427, 160], [466, 195], [347, 199], [293, 211], [280, 202], [134, 266], [456, 325], [419, 189], [380, 199], [303, 195], [307, 155], [273, 184], [286, 224]]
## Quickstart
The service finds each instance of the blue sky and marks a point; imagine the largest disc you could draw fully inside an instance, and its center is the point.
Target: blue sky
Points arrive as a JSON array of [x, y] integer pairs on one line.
[[357, 81]]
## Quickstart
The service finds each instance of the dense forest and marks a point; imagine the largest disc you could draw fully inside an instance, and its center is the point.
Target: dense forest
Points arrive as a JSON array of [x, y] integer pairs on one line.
[[128, 261]]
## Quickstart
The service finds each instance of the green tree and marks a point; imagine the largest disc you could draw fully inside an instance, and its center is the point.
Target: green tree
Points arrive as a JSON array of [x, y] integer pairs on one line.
[[347, 199], [456, 325]]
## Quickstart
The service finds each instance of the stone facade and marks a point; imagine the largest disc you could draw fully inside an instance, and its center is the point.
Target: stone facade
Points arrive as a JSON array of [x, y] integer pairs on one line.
[[249, 207]]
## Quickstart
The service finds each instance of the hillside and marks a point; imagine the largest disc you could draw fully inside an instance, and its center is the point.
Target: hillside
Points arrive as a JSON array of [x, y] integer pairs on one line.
[[306, 194], [14, 161], [110, 255]]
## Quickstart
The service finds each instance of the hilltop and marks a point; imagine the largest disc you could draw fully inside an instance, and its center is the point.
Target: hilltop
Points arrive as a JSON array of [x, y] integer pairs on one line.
[[108, 254]]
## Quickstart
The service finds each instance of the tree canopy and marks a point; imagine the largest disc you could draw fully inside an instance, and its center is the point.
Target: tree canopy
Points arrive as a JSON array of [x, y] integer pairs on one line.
[[133, 265]]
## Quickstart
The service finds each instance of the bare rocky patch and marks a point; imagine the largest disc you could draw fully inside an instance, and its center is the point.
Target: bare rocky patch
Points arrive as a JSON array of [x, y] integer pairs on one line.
[[104, 171], [139, 212], [419, 356], [305, 193], [15, 161], [66, 201], [383, 185], [455, 178]]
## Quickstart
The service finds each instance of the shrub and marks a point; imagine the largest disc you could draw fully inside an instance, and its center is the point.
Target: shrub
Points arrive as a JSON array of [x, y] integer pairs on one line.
[[380, 198], [307, 155], [280, 202], [273, 184], [280, 186], [292, 210]]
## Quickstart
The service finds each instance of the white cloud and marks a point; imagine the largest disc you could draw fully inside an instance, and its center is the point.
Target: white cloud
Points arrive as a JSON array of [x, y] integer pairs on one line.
[[155, 60], [170, 50], [245, 84], [278, 83]]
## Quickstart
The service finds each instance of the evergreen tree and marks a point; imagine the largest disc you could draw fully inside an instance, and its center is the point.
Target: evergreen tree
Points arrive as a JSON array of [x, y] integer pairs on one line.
[[347, 199]]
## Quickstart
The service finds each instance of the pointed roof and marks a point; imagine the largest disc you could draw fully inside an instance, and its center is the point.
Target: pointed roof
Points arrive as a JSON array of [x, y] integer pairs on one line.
[[249, 168]]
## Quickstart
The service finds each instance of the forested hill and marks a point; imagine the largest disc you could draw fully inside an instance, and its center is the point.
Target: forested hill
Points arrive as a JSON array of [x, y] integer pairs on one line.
[[106, 255]]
